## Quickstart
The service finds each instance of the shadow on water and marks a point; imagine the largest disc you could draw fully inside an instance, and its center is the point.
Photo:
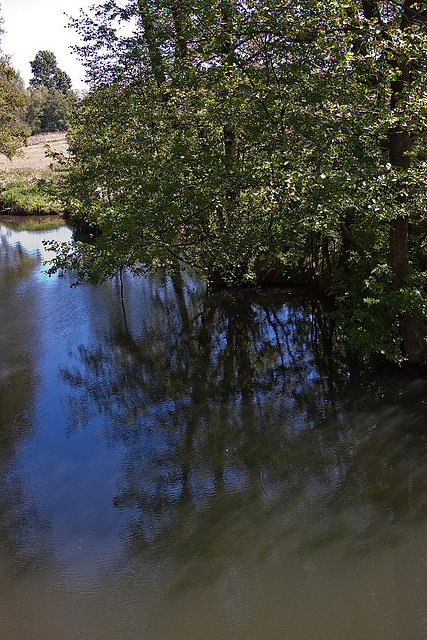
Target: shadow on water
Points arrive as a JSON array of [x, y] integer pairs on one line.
[[243, 432]]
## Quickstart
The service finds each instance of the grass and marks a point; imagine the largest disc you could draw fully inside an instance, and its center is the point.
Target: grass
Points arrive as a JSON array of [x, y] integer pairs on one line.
[[32, 158], [28, 181]]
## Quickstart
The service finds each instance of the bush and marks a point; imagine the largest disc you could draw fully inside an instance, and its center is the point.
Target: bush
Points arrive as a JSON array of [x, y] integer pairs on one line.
[[30, 196]]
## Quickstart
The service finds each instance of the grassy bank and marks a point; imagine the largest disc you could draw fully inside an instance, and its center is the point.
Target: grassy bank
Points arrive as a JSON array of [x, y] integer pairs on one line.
[[29, 182]]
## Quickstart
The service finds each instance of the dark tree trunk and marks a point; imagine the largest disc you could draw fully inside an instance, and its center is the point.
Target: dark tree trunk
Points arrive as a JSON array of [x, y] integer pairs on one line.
[[181, 44], [399, 250], [231, 149], [231, 141], [399, 144]]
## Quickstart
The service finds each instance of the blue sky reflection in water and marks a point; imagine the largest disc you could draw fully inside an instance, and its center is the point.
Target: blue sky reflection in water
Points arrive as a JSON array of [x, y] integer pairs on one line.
[[206, 469]]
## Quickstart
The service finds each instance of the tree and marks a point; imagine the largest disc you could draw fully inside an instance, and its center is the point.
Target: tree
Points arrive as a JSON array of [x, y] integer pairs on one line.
[[256, 140], [47, 73], [49, 109], [51, 100], [209, 140], [12, 105], [409, 21], [394, 43]]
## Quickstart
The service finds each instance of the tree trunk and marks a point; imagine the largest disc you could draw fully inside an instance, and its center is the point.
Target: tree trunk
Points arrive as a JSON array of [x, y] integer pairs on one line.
[[181, 44], [399, 250], [231, 150], [231, 141], [156, 60]]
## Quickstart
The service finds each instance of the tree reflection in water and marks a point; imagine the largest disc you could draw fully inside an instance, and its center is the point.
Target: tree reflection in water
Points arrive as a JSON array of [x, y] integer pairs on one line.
[[25, 528], [243, 431]]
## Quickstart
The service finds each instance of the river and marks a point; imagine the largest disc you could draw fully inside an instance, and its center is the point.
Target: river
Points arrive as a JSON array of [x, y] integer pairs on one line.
[[182, 466]]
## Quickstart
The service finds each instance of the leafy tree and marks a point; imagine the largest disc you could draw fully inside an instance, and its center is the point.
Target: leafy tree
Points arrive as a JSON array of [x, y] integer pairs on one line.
[[256, 140], [49, 109], [12, 105], [47, 73], [51, 100]]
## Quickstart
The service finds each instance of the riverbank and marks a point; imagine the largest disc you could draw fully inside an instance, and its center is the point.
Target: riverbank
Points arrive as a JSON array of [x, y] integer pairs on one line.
[[29, 182]]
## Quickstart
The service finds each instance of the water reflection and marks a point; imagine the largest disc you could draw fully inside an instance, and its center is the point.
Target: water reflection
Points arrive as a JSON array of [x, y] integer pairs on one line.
[[17, 379], [205, 467], [242, 429], [24, 525]]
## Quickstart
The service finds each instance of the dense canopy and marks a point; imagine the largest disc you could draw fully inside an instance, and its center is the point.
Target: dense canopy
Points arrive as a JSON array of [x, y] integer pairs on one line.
[[261, 142]]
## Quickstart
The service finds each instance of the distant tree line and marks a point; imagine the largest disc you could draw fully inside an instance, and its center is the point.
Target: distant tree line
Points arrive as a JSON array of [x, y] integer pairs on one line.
[[45, 106]]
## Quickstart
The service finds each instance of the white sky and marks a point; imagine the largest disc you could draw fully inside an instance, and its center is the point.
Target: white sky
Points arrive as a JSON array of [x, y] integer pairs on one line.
[[34, 25]]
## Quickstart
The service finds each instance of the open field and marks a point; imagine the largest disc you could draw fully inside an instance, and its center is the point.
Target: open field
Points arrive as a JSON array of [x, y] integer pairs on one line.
[[28, 184], [32, 158]]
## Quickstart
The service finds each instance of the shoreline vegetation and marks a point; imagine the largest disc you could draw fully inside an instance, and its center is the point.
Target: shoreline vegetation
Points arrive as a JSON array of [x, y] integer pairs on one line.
[[29, 182]]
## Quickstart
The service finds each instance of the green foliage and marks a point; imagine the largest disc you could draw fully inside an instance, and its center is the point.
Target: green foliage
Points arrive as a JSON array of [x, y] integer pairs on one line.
[[31, 196], [46, 73], [12, 105], [259, 141], [368, 310], [49, 109], [50, 100]]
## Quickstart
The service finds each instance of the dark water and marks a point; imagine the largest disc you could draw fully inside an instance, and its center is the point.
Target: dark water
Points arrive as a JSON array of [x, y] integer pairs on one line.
[[199, 467]]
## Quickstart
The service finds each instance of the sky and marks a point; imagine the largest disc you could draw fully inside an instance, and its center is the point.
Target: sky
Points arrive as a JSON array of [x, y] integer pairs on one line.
[[34, 25]]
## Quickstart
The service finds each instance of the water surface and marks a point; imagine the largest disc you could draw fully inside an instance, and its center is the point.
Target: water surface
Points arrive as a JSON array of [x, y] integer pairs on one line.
[[199, 467]]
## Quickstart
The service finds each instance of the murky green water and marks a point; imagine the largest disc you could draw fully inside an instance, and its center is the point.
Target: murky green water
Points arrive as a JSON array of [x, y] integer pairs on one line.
[[199, 468]]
